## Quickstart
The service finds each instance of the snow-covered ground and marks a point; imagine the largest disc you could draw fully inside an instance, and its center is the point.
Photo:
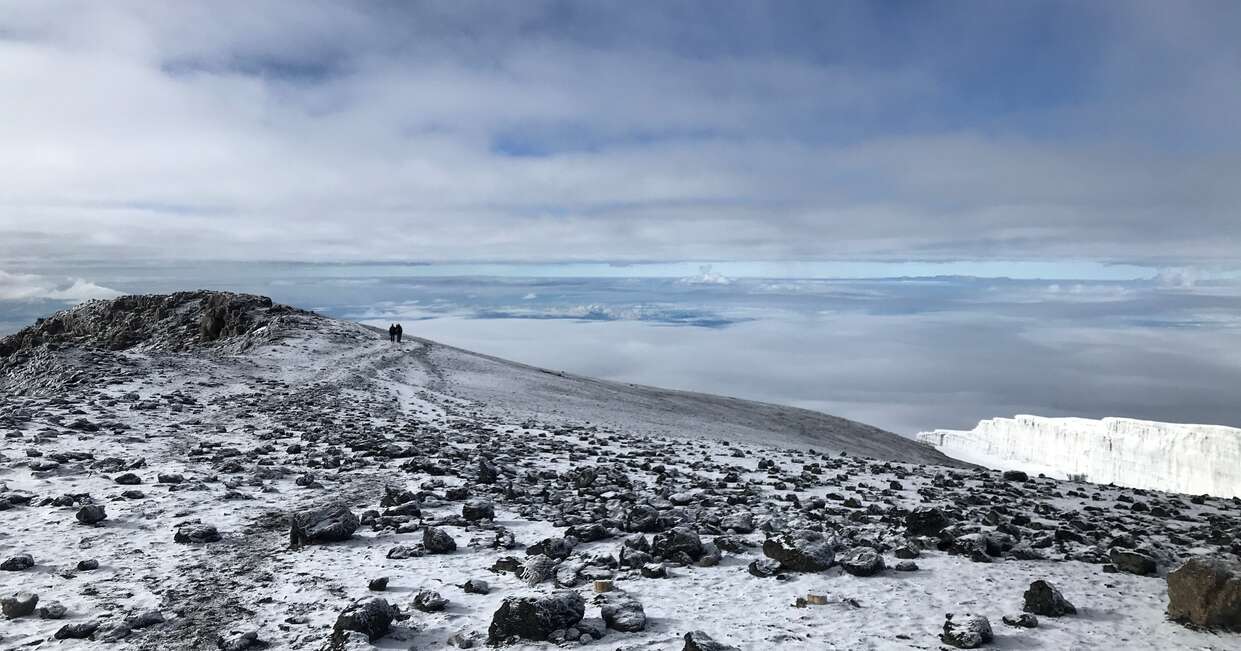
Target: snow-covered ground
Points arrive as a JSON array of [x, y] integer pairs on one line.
[[336, 414], [1192, 459]]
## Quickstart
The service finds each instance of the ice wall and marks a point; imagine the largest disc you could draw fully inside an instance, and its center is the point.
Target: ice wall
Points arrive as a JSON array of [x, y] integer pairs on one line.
[[1172, 457]]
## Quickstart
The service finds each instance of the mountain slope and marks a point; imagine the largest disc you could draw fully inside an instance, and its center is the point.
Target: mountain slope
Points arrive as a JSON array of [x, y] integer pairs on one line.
[[218, 323], [169, 481]]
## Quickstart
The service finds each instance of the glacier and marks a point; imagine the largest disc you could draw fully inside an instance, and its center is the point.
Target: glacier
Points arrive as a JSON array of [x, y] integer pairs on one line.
[[1174, 457]]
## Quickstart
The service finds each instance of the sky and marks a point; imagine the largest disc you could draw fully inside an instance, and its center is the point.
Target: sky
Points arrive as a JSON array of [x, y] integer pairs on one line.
[[620, 131], [914, 214]]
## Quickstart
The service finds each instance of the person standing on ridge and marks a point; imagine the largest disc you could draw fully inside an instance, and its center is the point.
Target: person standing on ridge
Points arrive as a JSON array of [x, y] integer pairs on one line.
[[392, 332], [399, 330]]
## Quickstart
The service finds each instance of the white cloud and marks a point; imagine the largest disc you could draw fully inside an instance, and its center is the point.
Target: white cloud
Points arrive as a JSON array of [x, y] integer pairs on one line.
[[318, 130], [33, 287]]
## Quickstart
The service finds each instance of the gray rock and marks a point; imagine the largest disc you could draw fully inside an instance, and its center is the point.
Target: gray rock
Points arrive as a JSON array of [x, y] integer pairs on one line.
[[321, 525], [19, 605], [92, 514], [966, 631], [76, 631], [1024, 620], [1132, 562], [1206, 591], [52, 610], [926, 521], [145, 618], [429, 601], [802, 551], [536, 617], [862, 561], [700, 641], [437, 541], [371, 617], [680, 540], [1044, 599], [195, 532], [478, 509], [17, 563], [623, 613]]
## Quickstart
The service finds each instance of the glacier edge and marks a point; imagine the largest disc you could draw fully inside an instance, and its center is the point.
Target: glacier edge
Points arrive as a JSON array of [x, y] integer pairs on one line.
[[1174, 457]]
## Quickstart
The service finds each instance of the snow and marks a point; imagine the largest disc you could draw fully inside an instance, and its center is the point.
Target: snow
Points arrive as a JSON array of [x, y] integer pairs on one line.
[[1181, 458], [291, 597]]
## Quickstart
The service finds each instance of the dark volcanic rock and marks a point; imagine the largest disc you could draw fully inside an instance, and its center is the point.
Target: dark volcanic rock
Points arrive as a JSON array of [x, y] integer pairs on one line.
[[623, 613], [674, 542], [19, 605], [321, 525], [926, 521], [437, 541], [1024, 620], [1206, 591], [17, 563], [429, 601], [535, 618], [92, 514], [1044, 599], [196, 532], [477, 509], [1127, 560], [76, 631], [802, 551], [372, 617], [966, 631], [700, 641], [862, 561]]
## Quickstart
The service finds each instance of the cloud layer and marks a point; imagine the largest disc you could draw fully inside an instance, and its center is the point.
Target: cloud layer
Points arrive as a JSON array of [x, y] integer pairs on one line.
[[308, 130]]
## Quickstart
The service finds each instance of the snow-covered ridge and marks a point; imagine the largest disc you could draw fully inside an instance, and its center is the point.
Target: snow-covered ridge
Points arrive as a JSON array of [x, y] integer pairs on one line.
[[1174, 457]]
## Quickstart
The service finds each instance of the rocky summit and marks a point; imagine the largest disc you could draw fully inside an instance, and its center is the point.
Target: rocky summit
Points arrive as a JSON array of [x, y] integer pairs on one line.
[[206, 470]]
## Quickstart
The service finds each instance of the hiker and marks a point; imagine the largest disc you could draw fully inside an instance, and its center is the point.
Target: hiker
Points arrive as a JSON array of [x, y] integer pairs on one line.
[[392, 332], [399, 330]]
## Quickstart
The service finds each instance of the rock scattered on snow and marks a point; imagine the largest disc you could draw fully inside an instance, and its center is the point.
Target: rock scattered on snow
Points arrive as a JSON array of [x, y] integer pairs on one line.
[[1206, 591]]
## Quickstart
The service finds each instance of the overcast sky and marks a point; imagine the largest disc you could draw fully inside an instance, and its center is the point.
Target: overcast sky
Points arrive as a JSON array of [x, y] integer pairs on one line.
[[551, 131]]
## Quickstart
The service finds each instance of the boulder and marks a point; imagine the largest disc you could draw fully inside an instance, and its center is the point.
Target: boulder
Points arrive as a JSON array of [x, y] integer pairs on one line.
[[926, 521], [372, 617], [17, 563], [623, 613], [1127, 560], [802, 551], [1044, 599], [92, 514], [674, 542], [429, 601], [19, 605], [195, 532], [1206, 591], [966, 631], [475, 510], [862, 561], [437, 541], [321, 525], [535, 617], [700, 641]]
